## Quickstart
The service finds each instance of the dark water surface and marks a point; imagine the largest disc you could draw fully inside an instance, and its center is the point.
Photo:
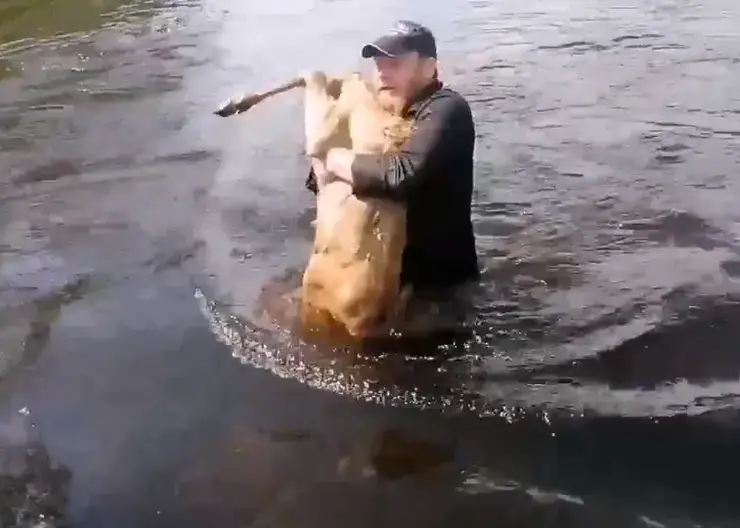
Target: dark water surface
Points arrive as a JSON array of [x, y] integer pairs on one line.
[[137, 232]]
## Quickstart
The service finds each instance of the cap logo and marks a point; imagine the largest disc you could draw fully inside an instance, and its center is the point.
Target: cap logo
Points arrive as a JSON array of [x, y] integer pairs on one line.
[[403, 28]]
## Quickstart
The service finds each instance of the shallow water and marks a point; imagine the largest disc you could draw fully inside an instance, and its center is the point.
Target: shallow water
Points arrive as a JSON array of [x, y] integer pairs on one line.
[[137, 232]]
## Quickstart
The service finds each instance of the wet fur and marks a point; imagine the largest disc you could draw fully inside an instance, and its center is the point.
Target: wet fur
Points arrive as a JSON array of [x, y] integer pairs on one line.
[[352, 281]]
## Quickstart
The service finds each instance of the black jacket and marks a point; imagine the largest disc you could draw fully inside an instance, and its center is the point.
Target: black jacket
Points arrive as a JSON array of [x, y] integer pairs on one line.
[[433, 176]]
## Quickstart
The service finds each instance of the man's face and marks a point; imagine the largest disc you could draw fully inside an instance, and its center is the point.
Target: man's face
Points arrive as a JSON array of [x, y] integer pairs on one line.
[[399, 77]]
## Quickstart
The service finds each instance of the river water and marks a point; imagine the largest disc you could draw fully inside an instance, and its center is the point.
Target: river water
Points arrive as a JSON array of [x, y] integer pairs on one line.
[[138, 232]]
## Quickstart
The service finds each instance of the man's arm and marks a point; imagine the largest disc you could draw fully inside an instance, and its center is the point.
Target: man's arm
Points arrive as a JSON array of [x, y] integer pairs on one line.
[[438, 133]]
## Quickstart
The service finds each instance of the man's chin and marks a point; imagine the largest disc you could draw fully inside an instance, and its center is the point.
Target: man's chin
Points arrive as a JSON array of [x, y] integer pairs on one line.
[[391, 101]]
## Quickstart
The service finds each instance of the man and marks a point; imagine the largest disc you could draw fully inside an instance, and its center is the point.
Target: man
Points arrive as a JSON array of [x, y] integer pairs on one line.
[[433, 174]]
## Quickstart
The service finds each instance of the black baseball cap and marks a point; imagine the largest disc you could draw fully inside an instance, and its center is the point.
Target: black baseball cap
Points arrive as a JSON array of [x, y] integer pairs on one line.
[[405, 37]]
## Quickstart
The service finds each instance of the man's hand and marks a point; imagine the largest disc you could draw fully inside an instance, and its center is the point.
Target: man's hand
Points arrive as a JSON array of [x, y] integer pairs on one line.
[[323, 174], [322, 177], [339, 163]]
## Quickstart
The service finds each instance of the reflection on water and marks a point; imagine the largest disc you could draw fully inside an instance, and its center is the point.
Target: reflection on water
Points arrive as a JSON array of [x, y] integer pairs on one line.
[[36, 19], [600, 383], [33, 490], [257, 493], [25, 330]]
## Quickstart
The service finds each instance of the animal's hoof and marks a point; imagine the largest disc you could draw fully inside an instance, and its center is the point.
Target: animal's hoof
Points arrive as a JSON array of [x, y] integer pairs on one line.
[[227, 109]]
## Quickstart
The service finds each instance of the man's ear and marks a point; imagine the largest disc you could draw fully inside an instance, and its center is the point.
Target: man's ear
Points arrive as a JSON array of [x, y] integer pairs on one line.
[[430, 67]]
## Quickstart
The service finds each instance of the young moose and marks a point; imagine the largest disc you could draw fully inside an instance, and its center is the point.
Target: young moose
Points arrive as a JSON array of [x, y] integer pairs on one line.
[[351, 285]]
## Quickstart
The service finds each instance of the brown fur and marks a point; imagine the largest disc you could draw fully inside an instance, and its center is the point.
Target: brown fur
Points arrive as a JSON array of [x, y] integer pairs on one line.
[[351, 284], [353, 275]]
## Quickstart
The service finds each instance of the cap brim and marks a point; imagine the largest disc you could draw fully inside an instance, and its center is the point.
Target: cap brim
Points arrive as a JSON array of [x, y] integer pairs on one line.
[[373, 50], [387, 46]]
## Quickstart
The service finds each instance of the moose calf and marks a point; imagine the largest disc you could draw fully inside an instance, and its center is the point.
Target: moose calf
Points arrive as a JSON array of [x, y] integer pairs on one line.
[[351, 286]]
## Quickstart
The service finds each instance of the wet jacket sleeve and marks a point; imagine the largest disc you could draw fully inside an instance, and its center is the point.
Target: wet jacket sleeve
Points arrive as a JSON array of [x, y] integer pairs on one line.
[[435, 138]]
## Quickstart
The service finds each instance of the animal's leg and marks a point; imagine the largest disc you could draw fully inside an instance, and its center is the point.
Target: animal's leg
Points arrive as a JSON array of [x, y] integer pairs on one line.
[[321, 116], [244, 103]]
